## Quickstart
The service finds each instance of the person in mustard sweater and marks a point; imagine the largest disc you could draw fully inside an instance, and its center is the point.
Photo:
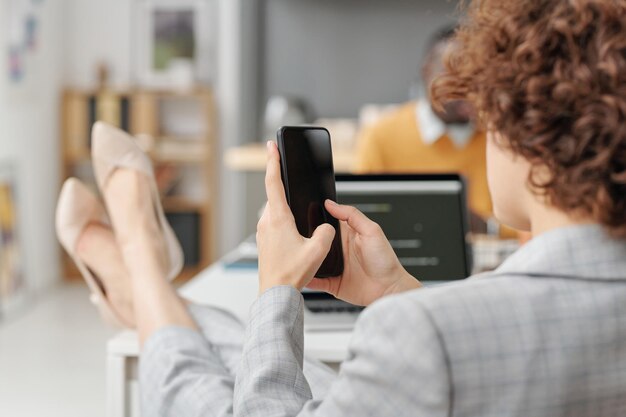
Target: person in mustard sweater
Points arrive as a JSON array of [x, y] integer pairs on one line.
[[417, 138]]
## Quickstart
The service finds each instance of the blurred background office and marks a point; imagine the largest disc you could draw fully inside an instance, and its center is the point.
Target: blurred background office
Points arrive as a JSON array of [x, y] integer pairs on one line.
[[202, 83]]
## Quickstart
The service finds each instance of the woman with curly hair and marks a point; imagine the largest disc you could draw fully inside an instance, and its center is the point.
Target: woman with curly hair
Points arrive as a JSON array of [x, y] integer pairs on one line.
[[543, 335]]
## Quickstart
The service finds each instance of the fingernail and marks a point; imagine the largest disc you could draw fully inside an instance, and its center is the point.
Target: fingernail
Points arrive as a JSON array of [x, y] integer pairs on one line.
[[332, 203], [269, 144]]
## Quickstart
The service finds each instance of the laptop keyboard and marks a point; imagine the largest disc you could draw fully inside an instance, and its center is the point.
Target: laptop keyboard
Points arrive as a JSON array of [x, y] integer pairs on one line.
[[331, 306]]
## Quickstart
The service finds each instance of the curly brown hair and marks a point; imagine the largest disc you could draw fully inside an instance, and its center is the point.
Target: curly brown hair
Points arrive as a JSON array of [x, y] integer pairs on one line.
[[550, 76]]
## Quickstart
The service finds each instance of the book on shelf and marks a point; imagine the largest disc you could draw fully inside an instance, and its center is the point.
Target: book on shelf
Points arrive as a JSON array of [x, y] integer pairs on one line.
[[110, 108]]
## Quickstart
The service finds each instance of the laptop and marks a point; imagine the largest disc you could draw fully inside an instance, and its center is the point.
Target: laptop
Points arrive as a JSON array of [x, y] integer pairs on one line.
[[425, 219]]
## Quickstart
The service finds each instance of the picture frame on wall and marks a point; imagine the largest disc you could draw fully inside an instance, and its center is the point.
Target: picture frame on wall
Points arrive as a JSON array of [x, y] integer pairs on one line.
[[174, 45], [12, 277]]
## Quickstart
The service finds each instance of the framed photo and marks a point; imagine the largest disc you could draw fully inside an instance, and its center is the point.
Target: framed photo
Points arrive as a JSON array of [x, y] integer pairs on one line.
[[12, 279], [174, 42]]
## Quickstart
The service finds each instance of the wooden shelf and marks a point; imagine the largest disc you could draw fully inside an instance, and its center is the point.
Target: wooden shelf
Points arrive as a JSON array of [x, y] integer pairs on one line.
[[192, 159], [180, 160], [178, 204], [187, 273], [143, 112], [180, 138], [196, 91], [172, 151], [252, 157]]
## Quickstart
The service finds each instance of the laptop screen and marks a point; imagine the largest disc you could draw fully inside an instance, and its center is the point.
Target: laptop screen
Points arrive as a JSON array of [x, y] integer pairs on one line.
[[423, 216]]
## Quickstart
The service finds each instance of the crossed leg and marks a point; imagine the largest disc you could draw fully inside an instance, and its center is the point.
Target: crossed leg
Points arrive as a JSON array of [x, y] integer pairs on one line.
[[190, 353]]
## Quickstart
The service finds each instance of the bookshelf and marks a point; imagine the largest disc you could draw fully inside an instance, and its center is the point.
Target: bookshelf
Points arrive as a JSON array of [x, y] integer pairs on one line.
[[177, 130]]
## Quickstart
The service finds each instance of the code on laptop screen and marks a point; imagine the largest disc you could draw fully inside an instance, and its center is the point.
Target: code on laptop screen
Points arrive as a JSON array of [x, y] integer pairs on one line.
[[422, 220]]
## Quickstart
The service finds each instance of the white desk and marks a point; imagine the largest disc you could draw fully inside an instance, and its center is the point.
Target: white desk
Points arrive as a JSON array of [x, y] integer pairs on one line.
[[229, 288]]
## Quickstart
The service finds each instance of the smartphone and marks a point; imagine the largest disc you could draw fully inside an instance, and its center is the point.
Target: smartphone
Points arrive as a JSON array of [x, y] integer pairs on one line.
[[306, 162]]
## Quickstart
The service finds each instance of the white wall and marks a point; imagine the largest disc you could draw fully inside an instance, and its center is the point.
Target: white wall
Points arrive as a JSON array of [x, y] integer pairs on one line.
[[233, 98], [357, 51], [97, 31], [29, 138]]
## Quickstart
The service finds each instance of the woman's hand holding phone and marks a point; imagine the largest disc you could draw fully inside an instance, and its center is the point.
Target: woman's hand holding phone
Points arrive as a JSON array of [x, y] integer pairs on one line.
[[285, 256], [371, 267]]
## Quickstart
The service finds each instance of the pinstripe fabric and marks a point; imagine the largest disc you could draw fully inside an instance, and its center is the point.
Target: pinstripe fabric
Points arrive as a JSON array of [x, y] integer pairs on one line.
[[544, 335]]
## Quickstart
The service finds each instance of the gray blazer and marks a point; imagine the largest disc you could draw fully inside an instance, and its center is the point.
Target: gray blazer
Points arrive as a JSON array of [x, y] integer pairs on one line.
[[543, 335]]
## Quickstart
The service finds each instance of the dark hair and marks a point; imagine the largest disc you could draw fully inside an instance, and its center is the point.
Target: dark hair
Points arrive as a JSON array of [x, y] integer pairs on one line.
[[550, 76], [443, 34]]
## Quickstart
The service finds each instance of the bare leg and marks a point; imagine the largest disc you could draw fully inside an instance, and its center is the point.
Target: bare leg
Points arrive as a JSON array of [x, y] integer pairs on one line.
[[156, 303], [98, 249]]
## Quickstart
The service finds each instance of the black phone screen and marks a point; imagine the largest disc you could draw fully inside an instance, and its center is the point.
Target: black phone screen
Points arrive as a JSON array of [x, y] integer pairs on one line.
[[309, 179]]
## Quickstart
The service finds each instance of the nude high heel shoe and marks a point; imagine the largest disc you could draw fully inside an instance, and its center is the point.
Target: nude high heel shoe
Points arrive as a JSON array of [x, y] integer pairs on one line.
[[112, 148], [77, 208]]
